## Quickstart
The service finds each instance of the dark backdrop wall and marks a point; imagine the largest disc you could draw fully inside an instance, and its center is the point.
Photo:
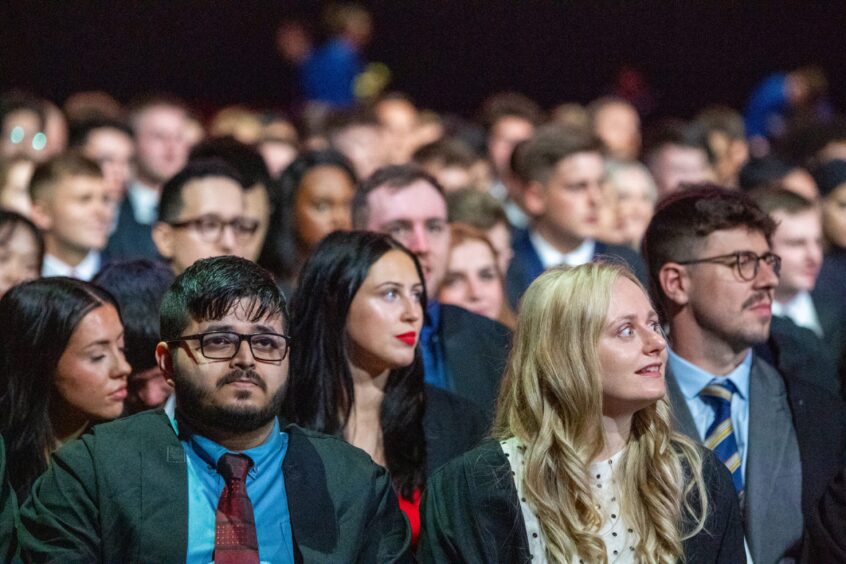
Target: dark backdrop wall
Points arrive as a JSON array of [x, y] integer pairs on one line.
[[448, 54]]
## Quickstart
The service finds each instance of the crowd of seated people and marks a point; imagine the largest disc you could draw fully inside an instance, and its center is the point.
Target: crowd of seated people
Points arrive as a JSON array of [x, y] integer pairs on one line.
[[375, 333]]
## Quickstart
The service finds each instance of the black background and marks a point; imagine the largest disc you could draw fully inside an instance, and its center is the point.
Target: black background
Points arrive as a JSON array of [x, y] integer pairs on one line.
[[447, 54]]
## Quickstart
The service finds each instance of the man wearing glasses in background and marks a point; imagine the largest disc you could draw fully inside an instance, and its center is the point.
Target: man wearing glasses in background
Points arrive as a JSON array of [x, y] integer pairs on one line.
[[781, 437], [201, 215], [212, 476]]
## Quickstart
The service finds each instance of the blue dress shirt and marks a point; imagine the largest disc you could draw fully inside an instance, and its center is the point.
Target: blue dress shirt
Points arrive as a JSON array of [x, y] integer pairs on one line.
[[265, 487], [432, 349], [692, 380]]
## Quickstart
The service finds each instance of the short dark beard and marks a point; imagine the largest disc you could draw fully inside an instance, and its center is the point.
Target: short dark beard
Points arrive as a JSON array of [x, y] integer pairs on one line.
[[194, 404]]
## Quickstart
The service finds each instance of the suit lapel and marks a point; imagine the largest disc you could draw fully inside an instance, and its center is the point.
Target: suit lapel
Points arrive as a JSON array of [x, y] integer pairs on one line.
[[682, 419], [164, 497], [313, 520], [767, 441]]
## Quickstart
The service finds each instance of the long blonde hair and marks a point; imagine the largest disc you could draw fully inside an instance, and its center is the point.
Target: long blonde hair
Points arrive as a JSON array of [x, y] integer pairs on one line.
[[551, 401]]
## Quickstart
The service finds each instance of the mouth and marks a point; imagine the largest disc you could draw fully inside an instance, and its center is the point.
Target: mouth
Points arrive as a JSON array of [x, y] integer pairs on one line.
[[650, 370], [244, 380], [119, 394], [409, 338]]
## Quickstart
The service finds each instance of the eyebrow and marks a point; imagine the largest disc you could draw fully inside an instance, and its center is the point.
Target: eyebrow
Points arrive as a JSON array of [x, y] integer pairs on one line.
[[225, 327], [103, 342], [632, 317]]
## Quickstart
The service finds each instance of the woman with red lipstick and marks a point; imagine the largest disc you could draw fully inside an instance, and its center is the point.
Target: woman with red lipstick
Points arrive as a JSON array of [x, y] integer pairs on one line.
[[62, 368], [356, 370], [585, 466]]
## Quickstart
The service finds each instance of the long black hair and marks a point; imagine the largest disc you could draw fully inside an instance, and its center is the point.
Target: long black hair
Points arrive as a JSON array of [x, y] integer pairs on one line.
[[282, 252], [38, 319], [320, 391]]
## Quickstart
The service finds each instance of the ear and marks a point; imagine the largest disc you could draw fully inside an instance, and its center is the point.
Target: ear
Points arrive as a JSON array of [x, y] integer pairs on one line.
[[163, 239], [40, 215], [164, 360], [675, 283], [534, 197]]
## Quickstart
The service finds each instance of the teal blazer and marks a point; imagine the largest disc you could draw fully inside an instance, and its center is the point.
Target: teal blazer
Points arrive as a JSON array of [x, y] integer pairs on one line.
[[120, 494]]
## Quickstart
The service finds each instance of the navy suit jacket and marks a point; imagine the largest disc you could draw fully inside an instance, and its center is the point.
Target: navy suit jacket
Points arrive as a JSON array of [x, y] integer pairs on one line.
[[526, 264], [131, 240]]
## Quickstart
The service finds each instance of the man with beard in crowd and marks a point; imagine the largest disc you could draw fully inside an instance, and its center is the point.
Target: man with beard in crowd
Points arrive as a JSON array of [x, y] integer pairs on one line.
[[212, 476]]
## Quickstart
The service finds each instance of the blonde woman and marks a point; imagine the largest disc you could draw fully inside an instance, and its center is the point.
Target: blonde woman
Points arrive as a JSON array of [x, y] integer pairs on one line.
[[584, 466]]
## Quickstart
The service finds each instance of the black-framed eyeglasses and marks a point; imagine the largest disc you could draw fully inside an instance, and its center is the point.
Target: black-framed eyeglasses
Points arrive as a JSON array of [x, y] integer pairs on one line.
[[210, 227], [745, 262], [224, 345]]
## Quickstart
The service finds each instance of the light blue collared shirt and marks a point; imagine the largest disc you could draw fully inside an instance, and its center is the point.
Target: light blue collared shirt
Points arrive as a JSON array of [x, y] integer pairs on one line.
[[692, 380], [265, 487]]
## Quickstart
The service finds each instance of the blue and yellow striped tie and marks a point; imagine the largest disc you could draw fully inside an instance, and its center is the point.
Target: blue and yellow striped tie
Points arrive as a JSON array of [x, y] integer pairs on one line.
[[720, 437]]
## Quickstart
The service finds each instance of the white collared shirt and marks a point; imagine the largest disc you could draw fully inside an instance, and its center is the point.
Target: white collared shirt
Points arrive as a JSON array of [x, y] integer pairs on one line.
[[800, 309], [550, 256], [85, 270], [145, 202]]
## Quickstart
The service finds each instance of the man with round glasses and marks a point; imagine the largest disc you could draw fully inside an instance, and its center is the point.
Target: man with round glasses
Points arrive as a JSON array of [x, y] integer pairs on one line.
[[214, 476], [714, 276], [201, 215]]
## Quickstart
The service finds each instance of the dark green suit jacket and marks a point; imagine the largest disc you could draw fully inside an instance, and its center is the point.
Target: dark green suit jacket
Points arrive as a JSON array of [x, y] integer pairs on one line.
[[120, 494], [8, 511]]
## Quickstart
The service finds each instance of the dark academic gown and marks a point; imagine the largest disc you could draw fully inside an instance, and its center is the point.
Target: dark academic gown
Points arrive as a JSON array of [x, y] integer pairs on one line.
[[8, 511], [470, 513], [120, 494]]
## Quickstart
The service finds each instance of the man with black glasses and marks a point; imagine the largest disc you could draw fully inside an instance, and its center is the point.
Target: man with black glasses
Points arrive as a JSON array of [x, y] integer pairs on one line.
[[781, 437], [201, 215], [213, 477]]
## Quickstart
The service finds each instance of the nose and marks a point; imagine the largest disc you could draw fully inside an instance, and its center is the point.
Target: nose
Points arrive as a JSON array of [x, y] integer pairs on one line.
[[594, 194], [473, 289], [418, 241], [654, 343], [341, 217], [228, 241], [244, 357], [767, 277], [412, 312], [121, 368]]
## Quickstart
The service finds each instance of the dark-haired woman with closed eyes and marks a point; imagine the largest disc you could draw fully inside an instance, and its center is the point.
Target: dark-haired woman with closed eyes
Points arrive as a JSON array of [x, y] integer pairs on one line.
[[356, 369], [61, 370]]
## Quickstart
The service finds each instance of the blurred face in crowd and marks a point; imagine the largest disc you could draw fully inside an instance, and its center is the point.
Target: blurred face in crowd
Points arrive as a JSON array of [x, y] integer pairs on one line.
[[147, 390], [256, 209], [673, 165], [798, 241], [14, 195], [618, 126], [22, 134], [241, 393], [323, 204], [19, 258], [473, 280], [801, 182], [416, 216], [504, 135], [729, 157], [210, 224], [277, 155], [386, 315], [364, 146], [161, 143], [500, 237], [91, 374], [635, 194], [566, 206], [399, 122], [113, 150], [75, 215], [632, 352], [834, 216]]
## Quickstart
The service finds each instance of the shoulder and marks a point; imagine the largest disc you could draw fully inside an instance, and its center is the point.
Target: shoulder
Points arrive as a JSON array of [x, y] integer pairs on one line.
[[455, 319], [311, 448], [482, 466]]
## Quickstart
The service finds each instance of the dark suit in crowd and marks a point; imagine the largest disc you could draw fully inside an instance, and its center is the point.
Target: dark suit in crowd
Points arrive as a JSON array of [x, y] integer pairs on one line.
[[475, 351], [131, 240], [120, 494], [796, 444], [526, 264]]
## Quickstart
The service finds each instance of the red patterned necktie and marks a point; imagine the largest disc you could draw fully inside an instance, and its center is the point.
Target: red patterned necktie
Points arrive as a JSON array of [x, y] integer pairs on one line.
[[235, 540]]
